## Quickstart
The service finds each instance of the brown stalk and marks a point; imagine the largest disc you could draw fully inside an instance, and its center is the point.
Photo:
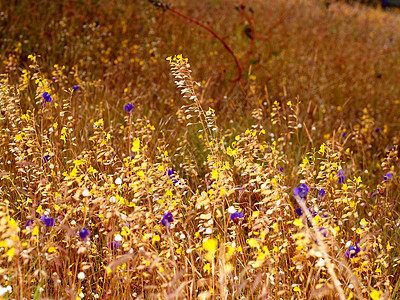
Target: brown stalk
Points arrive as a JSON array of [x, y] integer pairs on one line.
[[323, 249]]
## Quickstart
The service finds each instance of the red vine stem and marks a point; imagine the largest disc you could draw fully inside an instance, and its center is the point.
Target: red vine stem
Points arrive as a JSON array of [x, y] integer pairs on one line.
[[227, 47]]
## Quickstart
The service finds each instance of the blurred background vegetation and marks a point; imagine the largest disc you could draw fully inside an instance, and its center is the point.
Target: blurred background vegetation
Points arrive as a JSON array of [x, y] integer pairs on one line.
[[338, 60]]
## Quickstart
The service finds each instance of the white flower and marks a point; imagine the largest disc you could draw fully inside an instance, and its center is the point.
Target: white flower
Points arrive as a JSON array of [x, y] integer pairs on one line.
[[118, 181], [231, 209], [81, 276], [208, 231], [320, 263], [118, 238], [85, 193], [3, 291]]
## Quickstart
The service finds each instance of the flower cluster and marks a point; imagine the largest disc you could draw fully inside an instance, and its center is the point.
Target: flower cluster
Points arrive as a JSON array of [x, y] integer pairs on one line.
[[84, 233], [167, 219], [47, 97], [48, 221], [353, 251], [236, 216], [301, 191], [341, 178], [387, 177], [128, 107], [46, 158], [171, 175]]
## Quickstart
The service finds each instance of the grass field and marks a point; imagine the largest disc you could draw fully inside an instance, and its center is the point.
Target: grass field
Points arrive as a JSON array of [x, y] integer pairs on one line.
[[199, 150]]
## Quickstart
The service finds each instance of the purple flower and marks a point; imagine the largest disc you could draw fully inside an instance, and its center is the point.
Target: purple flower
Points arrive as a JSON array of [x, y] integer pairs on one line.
[[323, 231], [321, 193], [128, 107], [171, 175], [46, 158], [47, 97], [387, 177], [299, 212], [167, 219], [377, 130], [281, 169], [236, 216], [84, 233], [170, 171], [301, 191], [353, 251], [76, 87], [341, 177], [114, 245], [48, 221], [29, 223]]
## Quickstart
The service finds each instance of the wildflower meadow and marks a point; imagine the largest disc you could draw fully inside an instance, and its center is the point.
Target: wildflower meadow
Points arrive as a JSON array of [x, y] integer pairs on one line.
[[210, 149]]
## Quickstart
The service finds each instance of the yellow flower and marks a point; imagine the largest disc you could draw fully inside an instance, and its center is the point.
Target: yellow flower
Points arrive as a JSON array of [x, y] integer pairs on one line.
[[376, 295], [298, 223], [297, 289], [156, 238], [207, 267], [388, 247], [214, 174], [210, 244], [35, 231], [40, 210], [322, 149], [10, 253], [52, 249], [253, 243]]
